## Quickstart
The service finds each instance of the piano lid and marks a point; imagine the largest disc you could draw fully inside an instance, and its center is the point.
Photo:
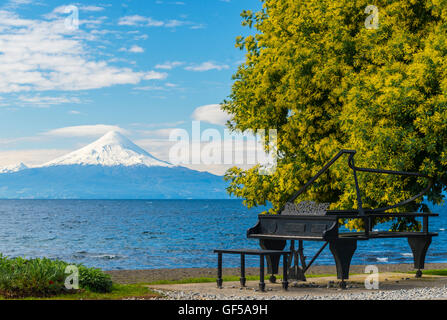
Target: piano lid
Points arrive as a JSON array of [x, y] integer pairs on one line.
[[309, 208]]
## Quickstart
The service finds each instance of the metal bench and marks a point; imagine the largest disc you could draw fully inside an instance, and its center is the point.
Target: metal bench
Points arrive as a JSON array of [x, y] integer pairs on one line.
[[262, 254]]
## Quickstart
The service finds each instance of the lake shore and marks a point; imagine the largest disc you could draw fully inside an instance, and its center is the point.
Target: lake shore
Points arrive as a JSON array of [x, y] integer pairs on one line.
[[153, 275]]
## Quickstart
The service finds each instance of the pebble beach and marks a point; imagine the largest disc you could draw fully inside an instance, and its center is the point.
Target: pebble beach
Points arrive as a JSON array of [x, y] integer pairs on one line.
[[404, 294]]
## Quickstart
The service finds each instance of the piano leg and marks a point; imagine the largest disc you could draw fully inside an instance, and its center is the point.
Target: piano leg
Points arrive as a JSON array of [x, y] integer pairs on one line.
[[243, 280], [293, 261], [419, 247], [295, 271], [219, 270], [300, 276], [343, 250], [261, 273], [285, 281], [272, 261]]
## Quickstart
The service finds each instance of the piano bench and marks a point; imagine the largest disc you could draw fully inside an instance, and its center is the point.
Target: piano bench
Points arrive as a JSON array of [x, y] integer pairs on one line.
[[253, 252]]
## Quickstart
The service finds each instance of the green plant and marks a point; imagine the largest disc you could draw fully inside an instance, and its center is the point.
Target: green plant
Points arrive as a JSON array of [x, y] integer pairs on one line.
[[94, 280], [42, 277]]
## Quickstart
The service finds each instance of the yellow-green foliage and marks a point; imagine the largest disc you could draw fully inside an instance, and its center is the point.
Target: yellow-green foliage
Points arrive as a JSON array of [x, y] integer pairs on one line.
[[314, 72]]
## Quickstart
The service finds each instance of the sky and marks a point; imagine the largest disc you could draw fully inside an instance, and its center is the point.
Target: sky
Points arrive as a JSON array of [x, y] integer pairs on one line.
[[140, 67]]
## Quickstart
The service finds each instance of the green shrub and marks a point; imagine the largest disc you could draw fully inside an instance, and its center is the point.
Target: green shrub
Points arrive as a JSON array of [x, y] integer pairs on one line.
[[94, 280], [20, 277]]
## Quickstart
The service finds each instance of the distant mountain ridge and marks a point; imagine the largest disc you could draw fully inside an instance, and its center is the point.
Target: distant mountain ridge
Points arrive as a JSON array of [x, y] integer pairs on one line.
[[113, 167], [13, 168]]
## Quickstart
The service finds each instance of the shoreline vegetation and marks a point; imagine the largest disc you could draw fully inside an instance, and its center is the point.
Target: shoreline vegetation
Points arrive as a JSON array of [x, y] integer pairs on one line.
[[43, 279]]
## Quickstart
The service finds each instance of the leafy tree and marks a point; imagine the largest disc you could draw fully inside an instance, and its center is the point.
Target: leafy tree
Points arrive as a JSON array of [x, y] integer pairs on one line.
[[325, 82]]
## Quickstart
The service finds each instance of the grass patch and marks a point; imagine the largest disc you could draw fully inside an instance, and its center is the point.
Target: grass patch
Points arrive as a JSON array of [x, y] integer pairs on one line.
[[439, 272], [228, 278], [118, 292]]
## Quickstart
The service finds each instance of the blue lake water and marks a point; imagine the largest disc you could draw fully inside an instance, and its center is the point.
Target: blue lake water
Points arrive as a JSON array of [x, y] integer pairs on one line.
[[161, 233]]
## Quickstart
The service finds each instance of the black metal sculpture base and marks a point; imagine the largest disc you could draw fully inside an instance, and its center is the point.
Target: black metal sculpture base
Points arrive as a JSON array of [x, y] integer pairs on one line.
[[272, 261], [343, 250], [419, 247], [297, 273]]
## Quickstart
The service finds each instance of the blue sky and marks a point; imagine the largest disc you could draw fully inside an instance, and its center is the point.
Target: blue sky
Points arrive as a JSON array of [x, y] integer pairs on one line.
[[142, 67]]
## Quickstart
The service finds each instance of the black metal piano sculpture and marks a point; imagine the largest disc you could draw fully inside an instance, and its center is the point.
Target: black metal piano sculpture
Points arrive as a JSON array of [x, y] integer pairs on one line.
[[308, 221]]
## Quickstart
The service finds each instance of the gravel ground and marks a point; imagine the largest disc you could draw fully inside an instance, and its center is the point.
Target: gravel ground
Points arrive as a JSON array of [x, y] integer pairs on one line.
[[404, 294], [403, 287]]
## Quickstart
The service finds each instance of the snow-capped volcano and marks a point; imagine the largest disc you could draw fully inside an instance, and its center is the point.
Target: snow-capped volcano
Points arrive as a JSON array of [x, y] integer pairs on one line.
[[113, 149], [112, 167], [14, 168]]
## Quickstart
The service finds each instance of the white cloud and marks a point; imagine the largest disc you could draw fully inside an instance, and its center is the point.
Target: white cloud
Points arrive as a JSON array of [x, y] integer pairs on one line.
[[198, 26], [45, 101], [30, 157], [59, 10], [207, 66], [175, 23], [153, 75], [136, 49], [84, 131], [40, 55], [137, 20], [211, 113], [167, 86], [20, 2], [141, 21], [169, 65], [10, 141], [91, 8], [133, 49], [16, 3], [151, 88], [65, 9]]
